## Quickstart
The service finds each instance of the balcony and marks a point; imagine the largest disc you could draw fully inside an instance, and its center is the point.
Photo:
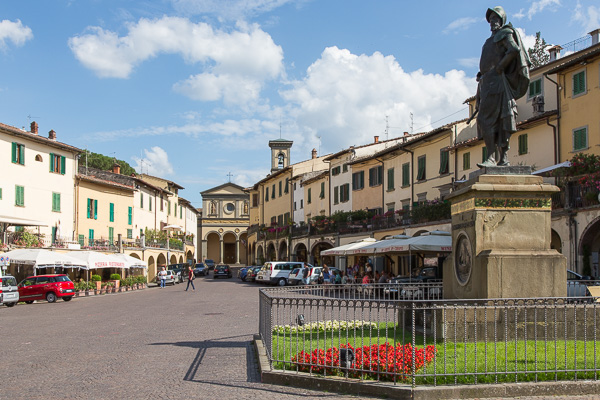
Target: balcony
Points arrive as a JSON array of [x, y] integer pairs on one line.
[[574, 196]]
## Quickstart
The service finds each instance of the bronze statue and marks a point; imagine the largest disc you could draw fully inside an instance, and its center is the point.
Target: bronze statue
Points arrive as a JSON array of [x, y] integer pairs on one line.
[[503, 78]]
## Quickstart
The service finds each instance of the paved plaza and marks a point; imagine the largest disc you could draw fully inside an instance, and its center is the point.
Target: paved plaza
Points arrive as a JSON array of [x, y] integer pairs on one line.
[[154, 343]]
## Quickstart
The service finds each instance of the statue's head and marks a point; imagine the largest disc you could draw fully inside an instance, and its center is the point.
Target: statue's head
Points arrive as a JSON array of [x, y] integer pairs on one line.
[[496, 15]]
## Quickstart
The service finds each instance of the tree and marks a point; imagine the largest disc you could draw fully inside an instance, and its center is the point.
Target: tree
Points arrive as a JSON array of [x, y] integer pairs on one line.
[[538, 55], [104, 163]]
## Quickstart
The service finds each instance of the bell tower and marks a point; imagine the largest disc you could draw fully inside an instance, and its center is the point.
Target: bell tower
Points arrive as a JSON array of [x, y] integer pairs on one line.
[[280, 153]]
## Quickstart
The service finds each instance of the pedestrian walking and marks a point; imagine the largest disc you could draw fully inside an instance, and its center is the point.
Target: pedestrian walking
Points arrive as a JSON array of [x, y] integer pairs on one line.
[[190, 278], [162, 275], [305, 277]]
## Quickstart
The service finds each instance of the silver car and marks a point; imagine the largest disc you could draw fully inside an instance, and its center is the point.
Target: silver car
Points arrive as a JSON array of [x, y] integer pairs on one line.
[[10, 292]]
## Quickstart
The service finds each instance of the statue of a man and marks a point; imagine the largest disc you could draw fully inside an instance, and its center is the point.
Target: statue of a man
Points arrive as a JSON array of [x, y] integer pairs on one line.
[[503, 78]]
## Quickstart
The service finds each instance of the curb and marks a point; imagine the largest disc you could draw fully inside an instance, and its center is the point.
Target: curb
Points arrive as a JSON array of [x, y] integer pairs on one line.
[[356, 387]]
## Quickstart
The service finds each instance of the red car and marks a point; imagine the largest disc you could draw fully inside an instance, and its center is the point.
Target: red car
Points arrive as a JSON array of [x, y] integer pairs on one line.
[[46, 287]]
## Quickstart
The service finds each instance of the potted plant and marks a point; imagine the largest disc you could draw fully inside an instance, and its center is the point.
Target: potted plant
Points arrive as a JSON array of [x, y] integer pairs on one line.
[[97, 279], [114, 279]]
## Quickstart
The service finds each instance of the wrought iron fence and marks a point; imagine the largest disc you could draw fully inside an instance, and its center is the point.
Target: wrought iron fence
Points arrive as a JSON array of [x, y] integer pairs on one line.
[[342, 331]]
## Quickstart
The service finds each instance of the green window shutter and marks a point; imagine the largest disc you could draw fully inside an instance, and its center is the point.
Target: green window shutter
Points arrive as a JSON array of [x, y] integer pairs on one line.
[[466, 161], [22, 154], [390, 179], [273, 192], [180, 212], [81, 240], [19, 195], [580, 139], [111, 212], [266, 194], [95, 209], [322, 194], [129, 216], [63, 166], [362, 179], [150, 203], [484, 154], [142, 200], [0, 193], [286, 189], [51, 162], [14, 152], [421, 173], [579, 83], [111, 234], [309, 195], [91, 236], [443, 162], [56, 202], [280, 185], [89, 208], [523, 144], [336, 195], [405, 175], [129, 233]]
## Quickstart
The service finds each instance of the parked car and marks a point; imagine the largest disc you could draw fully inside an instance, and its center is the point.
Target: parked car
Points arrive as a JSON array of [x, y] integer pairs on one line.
[[200, 270], [295, 277], [222, 270], [278, 272], [180, 271], [251, 274], [210, 264], [9, 292], [171, 278], [48, 287], [577, 284]]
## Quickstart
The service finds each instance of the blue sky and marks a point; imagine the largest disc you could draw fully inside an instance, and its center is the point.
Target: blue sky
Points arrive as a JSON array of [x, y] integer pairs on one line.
[[191, 90]]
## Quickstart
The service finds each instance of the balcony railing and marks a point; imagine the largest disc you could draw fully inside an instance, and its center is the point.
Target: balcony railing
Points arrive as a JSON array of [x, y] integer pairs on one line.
[[574, 196]]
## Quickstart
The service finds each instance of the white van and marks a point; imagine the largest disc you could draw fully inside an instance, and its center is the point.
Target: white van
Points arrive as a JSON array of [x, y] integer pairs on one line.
[[278, 272]]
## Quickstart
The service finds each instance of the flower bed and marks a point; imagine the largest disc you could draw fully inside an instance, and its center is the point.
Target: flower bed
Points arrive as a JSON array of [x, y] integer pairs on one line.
[[321, 326], [393, 362]]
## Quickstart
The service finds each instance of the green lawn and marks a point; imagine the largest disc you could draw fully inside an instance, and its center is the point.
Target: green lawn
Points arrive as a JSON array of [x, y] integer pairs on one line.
[[461, 363]]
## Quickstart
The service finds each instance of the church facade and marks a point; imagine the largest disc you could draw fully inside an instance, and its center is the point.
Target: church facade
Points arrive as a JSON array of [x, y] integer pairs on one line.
[[225, 220]]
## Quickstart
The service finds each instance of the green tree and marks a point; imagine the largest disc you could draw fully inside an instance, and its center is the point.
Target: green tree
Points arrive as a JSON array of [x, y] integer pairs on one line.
[[105, 163], [538, 55]]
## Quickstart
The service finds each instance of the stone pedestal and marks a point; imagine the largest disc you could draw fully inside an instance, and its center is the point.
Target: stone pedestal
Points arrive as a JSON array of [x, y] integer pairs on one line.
[[501, 238]]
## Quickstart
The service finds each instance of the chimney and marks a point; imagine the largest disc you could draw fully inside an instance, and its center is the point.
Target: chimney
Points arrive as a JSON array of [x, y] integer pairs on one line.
[[376, 139], [554, 52], [314, 153], [538, 105], [116, 168], [34, 128], [405, 133], [595, 36], [52, 135]]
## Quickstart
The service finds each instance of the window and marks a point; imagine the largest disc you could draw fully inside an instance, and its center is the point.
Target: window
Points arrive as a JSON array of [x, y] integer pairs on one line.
[[180, 212], [523, 144], [142, 200], [280, 220], [444, 162], [129, 215], [294, 185], [286, 188], [92, 209], [484, 154], [111, 212], [129, 233], [535, 88], [421, 172], [579, 83], [345, 168], [345, 192], [266, 194], [580, 141], [375, 176], [336, 195], [405, 174], [18, 153], [466, 161], [19, 196], [322, 194], [150, 203], [273, 192], [254, 199], [358, 180], [161, 203], [390, 179], [295, 208], [81, 240], [57, 164], [335, 170], [280, 188], [56, 202], [308, 200], [168, 207], [0, 193], [301, 203], [91, 237], [111, 234]]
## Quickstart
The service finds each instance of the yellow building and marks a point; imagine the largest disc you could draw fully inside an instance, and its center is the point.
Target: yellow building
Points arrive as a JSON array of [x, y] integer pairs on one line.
[[316, 195]]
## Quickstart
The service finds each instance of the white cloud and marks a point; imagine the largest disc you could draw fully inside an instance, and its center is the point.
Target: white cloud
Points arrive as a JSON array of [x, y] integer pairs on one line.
[[243, 58], [155, 162], [460, 24], [346, 97], [520, 14], [528, 40], [469, 62], [229, 9], [14, 32], [539, 6], [589, 18]]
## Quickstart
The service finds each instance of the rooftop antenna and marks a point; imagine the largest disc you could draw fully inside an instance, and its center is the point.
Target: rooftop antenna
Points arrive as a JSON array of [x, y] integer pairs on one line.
[[387, 127], [229, 175], [411, 123]]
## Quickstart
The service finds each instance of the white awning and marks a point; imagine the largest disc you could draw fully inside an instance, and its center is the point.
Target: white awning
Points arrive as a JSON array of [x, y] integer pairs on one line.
[[41, 258], [4, 219], [342, 250], [547, 170]]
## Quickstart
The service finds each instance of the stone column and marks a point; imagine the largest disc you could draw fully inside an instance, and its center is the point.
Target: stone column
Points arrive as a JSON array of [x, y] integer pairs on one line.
[[237, 251], [221, 245], [203, 251]]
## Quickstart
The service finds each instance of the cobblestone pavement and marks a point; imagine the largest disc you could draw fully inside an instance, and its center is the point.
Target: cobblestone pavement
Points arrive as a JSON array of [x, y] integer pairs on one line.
[[154, 343]]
